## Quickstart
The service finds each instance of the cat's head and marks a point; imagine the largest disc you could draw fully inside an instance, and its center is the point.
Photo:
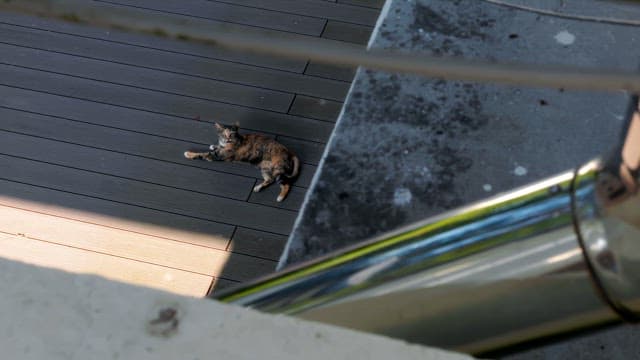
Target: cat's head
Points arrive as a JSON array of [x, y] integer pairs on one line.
[[227, 134]]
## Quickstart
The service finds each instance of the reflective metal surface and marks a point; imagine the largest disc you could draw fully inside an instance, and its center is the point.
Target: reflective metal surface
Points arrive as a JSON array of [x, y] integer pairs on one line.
[[608, 214], [557, 256], [486, 276]]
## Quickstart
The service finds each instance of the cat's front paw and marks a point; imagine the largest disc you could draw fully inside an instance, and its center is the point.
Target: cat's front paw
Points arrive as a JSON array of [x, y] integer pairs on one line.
[[257, 188], [212, 147]]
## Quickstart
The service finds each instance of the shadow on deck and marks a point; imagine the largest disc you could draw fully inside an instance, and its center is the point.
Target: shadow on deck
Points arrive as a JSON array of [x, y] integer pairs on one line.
[[94, 124]]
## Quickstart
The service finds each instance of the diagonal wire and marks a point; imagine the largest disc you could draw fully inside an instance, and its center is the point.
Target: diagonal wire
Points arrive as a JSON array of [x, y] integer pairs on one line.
[[274, 43], [537, 10]]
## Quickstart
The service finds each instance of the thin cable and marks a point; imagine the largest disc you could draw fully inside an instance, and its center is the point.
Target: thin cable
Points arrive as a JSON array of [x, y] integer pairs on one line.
[[606, 20], [326, 51]]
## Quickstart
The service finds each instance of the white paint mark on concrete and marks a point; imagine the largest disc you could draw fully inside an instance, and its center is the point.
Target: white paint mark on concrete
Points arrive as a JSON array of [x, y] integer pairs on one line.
[[520, 171], [323, 216], [565, 38], [402, 197], [487, 187]]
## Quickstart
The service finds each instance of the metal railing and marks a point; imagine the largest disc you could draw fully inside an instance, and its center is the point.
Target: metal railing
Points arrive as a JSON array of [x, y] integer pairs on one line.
[[559, 255]]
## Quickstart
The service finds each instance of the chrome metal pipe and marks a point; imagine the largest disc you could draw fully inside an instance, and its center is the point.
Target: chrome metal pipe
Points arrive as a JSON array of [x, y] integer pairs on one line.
[[556, 256]]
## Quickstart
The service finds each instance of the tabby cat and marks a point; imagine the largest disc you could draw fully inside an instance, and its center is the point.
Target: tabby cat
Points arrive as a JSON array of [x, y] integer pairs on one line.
[[275, 161]]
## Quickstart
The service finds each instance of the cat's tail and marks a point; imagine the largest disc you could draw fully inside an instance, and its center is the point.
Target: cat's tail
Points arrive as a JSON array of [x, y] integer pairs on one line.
[[286, 180], [296, 168]]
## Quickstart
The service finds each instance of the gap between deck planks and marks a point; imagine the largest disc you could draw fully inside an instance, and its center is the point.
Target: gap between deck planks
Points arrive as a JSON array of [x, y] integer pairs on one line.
[[135, 253], [204, 51], [147, 195], [97, 121], [59, 257], [313, 8], [190, 11], [139, 56], [164, 103], [135, 127], [140, 220], [131, 246]]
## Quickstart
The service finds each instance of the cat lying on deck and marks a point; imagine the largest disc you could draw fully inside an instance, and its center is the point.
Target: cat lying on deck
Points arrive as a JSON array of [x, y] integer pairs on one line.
[[275, 161]]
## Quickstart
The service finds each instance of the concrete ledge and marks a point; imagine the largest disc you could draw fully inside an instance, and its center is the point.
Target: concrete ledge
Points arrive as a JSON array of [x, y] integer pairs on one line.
[[406, 147], [48, 314]]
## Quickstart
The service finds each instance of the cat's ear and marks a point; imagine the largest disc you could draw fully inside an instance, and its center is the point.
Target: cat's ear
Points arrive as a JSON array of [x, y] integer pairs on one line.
[[236, 126], [218, 126]]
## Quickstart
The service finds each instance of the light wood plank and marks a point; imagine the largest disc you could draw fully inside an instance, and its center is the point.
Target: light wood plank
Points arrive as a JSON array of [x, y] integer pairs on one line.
[[69, 259], [28, 222], [147, 195], [115, 215], [112, 241]]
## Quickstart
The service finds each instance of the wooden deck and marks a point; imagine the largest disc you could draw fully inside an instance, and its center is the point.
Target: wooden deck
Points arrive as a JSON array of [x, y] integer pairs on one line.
[[93, 124]]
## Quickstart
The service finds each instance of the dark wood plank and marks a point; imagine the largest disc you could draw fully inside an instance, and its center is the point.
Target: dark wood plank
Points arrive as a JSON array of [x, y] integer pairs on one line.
[[187, 107], [80, 117], [142, 145], [268, 196], [107, 138], [146, 195], [109, 241], [353, 33], [232, 13], [220, 284], [116, 215], [181, 47], [374, 4], [258, 243], [241, 267], [70, 259], [163, 81], [309, 152], [325, 10], [173, 62], [330, 71], [316, 108], [126, 166]]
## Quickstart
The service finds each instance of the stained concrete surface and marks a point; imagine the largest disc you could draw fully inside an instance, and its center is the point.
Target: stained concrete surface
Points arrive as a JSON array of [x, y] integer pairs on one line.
[[406, 147], [49, 314]]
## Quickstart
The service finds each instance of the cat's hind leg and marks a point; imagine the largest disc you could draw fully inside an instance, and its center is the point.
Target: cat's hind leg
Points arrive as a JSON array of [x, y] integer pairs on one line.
[[284, 190], [268, 179]]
